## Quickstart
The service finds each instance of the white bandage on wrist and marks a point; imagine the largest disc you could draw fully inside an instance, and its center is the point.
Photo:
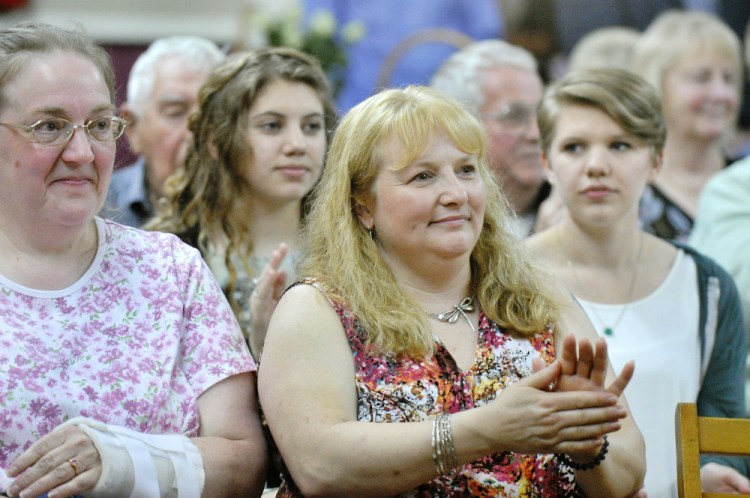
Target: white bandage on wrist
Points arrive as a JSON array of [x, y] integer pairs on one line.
[[5, 481], [143, 465]]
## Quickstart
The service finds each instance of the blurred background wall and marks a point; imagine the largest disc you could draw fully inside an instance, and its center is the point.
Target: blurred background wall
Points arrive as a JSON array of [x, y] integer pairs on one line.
[[135, 22]]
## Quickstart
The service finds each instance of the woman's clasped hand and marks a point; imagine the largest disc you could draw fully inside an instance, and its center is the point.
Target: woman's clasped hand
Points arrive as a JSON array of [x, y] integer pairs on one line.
[[578, 414]]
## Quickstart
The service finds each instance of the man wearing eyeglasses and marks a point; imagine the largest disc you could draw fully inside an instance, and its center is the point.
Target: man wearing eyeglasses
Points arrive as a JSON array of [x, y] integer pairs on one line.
[[500, 83], [162, 92]]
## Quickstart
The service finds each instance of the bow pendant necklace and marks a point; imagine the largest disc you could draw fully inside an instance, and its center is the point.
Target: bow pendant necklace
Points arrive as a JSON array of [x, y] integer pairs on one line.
[[451, 315]]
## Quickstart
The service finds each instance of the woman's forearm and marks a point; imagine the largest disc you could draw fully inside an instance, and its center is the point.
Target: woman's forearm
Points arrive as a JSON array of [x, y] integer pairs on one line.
[[362, 459], [233, 468], [623, 469]]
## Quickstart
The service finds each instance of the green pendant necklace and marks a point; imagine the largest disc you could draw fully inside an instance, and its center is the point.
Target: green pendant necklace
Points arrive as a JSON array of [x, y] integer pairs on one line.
[[609, 330]]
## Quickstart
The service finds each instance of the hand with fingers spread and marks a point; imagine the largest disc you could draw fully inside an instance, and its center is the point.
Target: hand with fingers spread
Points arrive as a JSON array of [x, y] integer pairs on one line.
[[586, 368], [265, 297], [583, 368], [65, 462], [535, 420]]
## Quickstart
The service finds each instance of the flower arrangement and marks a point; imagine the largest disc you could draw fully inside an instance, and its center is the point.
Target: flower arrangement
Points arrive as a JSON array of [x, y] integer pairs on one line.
[[321, 37]]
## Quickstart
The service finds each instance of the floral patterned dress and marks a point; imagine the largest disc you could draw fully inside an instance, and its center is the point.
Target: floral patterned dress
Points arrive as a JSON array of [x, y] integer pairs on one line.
[[134, 342], [405, 389]]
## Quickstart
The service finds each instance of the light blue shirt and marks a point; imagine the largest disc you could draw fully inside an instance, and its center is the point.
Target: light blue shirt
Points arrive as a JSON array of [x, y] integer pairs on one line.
[[722, 226], [128, 200]]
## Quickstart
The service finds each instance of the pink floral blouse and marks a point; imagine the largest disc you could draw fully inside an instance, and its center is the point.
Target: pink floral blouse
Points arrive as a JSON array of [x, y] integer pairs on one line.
[[134, 342], [406, 389]]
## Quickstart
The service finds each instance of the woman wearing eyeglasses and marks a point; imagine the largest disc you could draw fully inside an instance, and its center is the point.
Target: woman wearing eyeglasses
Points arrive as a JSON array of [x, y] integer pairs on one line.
[[122, 368]]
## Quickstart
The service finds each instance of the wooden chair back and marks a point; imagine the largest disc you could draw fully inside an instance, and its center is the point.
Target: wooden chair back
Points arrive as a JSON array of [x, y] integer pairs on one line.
[[705, 435], [444, 36]]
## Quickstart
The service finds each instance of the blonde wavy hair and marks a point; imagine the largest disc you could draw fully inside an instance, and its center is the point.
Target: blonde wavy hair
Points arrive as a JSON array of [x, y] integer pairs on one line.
[[206, 197], [676, 35], [340, 253]]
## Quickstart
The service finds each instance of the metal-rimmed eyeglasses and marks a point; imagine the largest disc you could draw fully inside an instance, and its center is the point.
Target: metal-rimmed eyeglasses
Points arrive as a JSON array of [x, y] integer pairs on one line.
[[59, 131], [514, 117]]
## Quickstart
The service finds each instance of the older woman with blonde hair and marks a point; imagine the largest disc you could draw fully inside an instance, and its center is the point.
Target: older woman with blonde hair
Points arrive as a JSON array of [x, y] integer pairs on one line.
[[694, 61], [422, 355]]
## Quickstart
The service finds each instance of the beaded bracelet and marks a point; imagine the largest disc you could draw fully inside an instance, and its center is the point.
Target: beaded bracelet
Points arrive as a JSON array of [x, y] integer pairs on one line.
[[599, 458], [443, 450]]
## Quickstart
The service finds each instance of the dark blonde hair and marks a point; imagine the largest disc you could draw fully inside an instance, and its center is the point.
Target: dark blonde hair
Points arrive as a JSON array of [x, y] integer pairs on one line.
[[340, 253], [206, 197], [21, 42], [625, 97]]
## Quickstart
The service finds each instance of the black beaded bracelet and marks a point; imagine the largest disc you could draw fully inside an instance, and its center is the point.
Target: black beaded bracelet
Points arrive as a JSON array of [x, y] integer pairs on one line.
[[599, 458]]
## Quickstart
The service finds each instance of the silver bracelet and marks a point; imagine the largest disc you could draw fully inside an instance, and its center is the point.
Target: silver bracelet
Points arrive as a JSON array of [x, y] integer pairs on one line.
[[443, 450]]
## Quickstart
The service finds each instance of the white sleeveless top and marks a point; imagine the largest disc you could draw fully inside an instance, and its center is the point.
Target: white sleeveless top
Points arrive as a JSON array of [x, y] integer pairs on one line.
[[659, 332]]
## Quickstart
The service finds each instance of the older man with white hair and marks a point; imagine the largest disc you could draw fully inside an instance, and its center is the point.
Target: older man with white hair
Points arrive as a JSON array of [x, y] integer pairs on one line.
[[162, 92]]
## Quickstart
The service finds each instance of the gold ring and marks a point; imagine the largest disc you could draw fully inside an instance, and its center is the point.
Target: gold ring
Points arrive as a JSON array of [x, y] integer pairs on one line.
[[73, 463]]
